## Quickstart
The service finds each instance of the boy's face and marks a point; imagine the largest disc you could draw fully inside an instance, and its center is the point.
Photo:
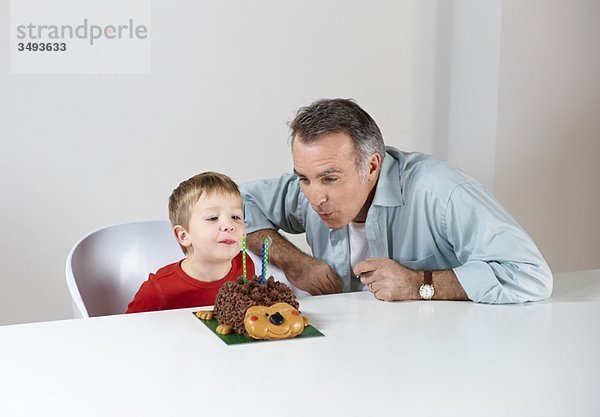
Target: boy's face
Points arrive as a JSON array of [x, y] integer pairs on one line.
[[216, 228]]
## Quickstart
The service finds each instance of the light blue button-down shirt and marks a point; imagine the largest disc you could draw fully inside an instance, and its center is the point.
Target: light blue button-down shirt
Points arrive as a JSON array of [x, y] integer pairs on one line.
[[426, 215]]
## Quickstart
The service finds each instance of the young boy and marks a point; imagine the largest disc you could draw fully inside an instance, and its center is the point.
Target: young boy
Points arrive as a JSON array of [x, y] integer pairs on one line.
[[208, 222]]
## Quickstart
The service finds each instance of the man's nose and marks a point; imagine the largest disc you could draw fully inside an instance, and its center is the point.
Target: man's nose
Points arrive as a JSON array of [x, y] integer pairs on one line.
[[315, 194]]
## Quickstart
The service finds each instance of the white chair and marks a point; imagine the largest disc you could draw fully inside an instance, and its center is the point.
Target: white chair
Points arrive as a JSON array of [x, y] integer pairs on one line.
[[106, 268]]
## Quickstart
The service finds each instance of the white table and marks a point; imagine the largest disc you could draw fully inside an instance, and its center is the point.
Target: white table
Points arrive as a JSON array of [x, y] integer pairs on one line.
[[377, 358]]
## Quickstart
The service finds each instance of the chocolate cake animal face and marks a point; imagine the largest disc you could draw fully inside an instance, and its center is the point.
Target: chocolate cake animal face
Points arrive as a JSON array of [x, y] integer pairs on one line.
[[234, 299], [279, 321]]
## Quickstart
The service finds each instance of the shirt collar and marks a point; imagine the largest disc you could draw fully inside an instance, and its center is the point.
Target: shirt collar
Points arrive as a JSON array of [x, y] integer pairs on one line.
[[389, 188]]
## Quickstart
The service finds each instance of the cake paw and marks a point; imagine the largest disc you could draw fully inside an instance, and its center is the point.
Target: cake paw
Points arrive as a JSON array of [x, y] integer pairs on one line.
[[224, 329], [205, 315]]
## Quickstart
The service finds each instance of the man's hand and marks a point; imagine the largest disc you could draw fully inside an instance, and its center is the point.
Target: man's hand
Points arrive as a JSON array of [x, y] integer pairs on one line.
[[313, 276], [388, 280], [305, 272]]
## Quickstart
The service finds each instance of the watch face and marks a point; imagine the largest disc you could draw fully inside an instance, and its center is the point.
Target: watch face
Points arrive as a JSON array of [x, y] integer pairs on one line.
[[426, 291]]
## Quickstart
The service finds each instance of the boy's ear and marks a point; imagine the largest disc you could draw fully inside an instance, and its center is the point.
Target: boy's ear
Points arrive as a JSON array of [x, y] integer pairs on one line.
[[182, 236]]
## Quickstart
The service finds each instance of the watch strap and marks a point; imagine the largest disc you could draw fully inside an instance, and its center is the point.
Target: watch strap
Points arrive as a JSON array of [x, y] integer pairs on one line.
[[428, 277]]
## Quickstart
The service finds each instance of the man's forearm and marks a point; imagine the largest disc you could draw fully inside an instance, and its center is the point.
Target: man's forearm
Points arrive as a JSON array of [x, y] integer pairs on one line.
[[303, 271], [445, 283], [281, 252], [447, 286]]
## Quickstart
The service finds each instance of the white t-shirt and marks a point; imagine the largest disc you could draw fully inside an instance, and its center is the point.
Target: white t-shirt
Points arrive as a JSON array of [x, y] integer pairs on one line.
[[359, 247]]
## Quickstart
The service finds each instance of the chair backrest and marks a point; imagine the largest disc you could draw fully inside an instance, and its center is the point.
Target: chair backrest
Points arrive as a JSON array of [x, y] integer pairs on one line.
[[106, 268]]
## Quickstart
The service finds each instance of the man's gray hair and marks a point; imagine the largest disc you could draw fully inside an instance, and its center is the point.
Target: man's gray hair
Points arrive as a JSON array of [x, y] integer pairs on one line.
[[339, 116]]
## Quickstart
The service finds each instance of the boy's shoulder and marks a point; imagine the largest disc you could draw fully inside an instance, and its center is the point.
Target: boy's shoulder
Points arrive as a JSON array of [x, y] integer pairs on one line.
[[166, 271]]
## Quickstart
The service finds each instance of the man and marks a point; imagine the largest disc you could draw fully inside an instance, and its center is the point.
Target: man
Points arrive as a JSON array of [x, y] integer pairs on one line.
[[405, 225]]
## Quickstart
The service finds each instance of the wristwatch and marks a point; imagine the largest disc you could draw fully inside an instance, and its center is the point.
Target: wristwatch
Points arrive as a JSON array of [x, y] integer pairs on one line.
[[427, 291]]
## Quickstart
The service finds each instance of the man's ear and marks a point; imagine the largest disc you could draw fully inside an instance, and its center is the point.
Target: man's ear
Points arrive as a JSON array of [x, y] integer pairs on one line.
[[182, 236], [374, 165]]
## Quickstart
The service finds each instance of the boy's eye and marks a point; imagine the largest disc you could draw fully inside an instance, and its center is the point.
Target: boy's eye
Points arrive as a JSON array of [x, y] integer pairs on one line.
[[212, 218], [234, 217]]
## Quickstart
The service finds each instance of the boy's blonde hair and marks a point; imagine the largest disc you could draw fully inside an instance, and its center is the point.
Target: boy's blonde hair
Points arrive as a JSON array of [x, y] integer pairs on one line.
[[186, 195]]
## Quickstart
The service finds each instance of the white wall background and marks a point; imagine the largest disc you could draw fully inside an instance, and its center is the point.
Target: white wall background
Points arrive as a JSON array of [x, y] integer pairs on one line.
[[548, 143], [81, 151]]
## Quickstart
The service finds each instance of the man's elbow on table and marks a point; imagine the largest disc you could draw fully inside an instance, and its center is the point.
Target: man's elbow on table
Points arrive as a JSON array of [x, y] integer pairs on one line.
[[544, 280], [494, 283], [535, 281], [533, 284]]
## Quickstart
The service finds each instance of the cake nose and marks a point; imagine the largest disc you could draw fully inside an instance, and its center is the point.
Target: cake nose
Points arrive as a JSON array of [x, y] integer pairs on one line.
[[276, 319]]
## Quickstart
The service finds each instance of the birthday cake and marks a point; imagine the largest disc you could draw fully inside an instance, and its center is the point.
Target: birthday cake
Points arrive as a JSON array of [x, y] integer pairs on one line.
[[260, 309], [255, 307]]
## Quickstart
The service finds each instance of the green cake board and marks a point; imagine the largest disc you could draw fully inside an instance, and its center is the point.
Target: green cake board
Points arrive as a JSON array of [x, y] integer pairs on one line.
[[236, 339]]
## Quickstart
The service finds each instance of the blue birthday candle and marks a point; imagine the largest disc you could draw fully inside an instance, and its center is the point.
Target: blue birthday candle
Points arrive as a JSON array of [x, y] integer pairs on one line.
[[265, 258]]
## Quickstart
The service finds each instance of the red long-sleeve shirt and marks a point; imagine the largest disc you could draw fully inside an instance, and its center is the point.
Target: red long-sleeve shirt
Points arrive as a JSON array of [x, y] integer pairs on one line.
[[170, 287]]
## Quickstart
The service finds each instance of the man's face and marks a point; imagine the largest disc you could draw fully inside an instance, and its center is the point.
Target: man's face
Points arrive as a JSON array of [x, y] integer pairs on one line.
[[331, 181]]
